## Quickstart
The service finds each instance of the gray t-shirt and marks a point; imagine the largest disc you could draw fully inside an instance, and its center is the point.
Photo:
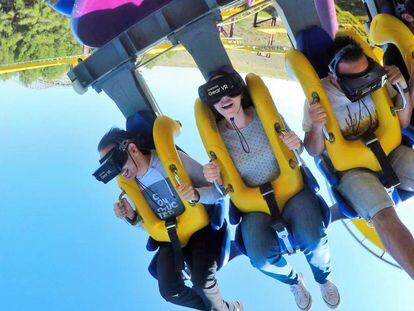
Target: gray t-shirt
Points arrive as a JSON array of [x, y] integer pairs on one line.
[[354, 119], [163, 198], [160, 193], [260, 165]]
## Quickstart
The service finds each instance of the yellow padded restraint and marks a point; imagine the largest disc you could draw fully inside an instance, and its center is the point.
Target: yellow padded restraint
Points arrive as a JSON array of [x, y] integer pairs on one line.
[[347, 154], [195, 216], [386, 28], [249, 199]]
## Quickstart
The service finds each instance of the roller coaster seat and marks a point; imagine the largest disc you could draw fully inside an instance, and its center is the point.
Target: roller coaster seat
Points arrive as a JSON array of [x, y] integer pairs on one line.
[[142, 122], [310, 182], [381, 6], [388, 6], [226, 252], [313, 42], [326, 168]]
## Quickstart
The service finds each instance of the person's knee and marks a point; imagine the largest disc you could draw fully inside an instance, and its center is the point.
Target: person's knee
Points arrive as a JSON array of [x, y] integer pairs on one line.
[[385, 218], [165, 292], [204, 278], [261, 261], [258, 262], [168, 292], [312, 238]]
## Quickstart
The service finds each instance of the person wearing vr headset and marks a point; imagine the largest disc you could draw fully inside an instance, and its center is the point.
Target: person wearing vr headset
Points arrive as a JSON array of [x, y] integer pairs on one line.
[[122, 154], [250, 150], [353, 76]]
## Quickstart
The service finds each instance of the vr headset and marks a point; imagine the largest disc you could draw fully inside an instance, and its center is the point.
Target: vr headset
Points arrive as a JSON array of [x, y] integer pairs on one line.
[[356, 86], [113, 162], [229, 85]]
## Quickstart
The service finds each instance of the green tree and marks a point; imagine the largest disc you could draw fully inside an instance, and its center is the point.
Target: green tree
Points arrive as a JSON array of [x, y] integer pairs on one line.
[[31, 30]]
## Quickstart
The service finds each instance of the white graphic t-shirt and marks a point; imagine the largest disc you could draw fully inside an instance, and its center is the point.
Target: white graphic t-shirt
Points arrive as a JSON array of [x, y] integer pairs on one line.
[[163, 198], [354, 119]]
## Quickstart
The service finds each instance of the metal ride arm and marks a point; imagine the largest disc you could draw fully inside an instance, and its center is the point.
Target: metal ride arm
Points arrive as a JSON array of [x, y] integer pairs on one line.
[[283, 131], [403, 100], [296, 20], [112, 67], [221, 188], [174, 171], [137, 217]]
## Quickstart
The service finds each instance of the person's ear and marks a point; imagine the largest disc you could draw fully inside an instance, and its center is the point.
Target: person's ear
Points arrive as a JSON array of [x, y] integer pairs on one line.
[[132, 148], [407, 17], [333, 80]]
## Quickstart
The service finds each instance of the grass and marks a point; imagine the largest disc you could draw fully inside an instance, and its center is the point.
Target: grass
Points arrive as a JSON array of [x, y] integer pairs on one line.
[[242, 61], [355, 7], [250, 62]]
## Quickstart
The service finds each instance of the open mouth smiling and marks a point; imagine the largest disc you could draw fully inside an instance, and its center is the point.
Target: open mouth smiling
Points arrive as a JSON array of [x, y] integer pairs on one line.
[[227, 105]]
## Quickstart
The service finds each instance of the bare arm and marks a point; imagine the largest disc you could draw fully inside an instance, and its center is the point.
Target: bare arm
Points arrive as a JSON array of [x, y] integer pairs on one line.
[[208, 194], [292, 141], [314, 140], [394, 77], [404, 116]]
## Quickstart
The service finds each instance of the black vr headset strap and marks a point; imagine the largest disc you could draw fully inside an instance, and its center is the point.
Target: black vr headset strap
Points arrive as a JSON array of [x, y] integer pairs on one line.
[[171, 225], [279, 224], [391, 179], [333, 65]]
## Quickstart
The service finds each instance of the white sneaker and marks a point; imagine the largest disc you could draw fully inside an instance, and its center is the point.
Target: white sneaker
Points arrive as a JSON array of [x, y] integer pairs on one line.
[[302, 296], [239, 306], [330, 294]]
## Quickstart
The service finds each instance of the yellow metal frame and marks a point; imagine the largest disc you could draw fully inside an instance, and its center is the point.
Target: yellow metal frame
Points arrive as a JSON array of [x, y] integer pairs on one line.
[[44, 63]]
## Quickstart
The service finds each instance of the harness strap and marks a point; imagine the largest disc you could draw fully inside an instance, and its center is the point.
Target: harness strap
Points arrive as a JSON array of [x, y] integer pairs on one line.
[[171, 226], [279, 225], [269, 195], [391, 179]]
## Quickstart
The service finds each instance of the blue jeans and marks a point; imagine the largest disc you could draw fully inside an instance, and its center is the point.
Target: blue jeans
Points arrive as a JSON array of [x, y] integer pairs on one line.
[[303, 216]]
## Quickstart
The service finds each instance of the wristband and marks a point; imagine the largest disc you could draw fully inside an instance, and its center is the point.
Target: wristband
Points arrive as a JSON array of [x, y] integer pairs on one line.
[[406, 90], [134, 220], [198, 199]]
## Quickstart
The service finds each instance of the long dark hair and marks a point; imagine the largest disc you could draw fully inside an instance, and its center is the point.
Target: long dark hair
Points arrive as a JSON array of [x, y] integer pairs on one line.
[[115, 136]]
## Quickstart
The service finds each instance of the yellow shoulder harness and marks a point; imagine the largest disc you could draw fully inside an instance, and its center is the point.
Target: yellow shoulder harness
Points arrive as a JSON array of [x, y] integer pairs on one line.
[[194, 217], [386, 28], [347, 154], [245, 198]]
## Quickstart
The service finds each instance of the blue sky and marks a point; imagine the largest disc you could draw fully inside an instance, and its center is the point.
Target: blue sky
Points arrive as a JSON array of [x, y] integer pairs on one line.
[[61, 247]]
